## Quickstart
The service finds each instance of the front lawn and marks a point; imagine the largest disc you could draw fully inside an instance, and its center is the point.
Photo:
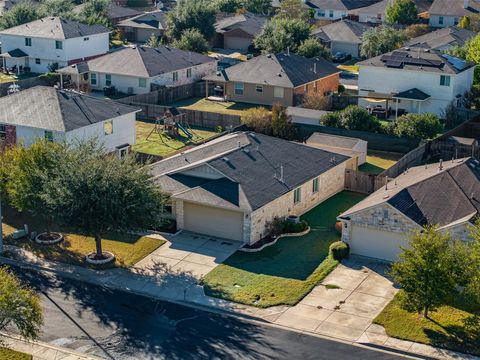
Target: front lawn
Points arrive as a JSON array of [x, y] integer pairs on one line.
[[285, 272], [221, 107], [128, 249], [163, 145], [444, 329], [8, 354], [378, 161]]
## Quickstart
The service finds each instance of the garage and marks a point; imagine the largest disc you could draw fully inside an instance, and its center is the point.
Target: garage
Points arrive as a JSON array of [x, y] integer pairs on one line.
[[376, 243], [348, 48], [212, 221], [235, 42]]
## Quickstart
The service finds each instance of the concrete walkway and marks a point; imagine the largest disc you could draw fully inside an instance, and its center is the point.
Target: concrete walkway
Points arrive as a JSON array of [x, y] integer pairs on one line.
[[341, 307]]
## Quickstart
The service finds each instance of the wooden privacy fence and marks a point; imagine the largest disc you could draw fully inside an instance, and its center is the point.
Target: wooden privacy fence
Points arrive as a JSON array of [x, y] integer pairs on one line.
[[30, 82], [362, 182], [161, 95]]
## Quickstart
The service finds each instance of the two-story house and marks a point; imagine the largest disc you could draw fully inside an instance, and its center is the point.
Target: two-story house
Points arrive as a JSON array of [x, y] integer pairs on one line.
[[336, 9], [414, 80], [41, 45], [445, 13]]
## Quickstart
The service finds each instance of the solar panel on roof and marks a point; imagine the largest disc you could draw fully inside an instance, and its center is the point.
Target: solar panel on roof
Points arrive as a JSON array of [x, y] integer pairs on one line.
[[394, 63], [457, 63]]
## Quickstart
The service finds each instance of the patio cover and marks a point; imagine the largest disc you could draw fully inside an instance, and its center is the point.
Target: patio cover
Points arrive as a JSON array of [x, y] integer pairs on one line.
[[75, 69], [16, 53], [412, 94]]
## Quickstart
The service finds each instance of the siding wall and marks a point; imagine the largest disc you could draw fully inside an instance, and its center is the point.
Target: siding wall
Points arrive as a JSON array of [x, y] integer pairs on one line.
[[250, 95]]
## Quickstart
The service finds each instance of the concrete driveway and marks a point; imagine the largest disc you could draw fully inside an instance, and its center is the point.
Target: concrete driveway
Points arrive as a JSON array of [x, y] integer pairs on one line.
[[345, 303], [188, 253]]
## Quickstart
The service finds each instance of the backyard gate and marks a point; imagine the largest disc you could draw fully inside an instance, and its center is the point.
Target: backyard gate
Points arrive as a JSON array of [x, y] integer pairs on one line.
[[362, 182]]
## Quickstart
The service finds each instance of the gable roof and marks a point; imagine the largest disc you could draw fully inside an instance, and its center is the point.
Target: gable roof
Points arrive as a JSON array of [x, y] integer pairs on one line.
[[343, 31], [381, 6], [156, 20], [250, 165], [285, 70], [428, 195], [114, 11], [442, 39], [55, 28], [341, 5], [249, 23], [334, 140], [142, 61], [454, 7], [56, 110]]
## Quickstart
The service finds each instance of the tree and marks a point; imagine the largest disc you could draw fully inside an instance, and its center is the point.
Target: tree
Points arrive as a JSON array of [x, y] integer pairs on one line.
[[93, 8], [381, 40], [192, 14], [426, 271], [316, 101], [153, 41], [417, 30], [19, 306], [19, 14], [352, 118], [99, 193], [473, 49], [258, 119], [56, 7], [293, 9], [281, 127], [279, 34], [192, 40], [312, 47], [464, 23], [258, 6], [401, 12], [418, 126], [228, 6]]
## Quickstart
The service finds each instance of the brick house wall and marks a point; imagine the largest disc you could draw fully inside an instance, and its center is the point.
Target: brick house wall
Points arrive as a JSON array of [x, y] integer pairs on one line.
[[322, 86], [11, 135]]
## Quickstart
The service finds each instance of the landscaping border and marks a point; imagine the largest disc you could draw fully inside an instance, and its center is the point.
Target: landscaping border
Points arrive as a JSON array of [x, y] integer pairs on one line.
[[305, 232]]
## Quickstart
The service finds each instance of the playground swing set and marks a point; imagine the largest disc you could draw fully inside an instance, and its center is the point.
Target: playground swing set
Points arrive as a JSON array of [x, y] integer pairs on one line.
[[171, 123]]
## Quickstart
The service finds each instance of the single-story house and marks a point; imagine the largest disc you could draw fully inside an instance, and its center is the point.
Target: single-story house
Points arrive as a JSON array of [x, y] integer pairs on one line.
[[141, 27], [342, 36], [234, 186], [43, 112], [115, 13], [237, 31], [133, 69], [375, 13], [348, 146], [275, 78], [300, 115], [445, 13], [443, 39], [443, 194]]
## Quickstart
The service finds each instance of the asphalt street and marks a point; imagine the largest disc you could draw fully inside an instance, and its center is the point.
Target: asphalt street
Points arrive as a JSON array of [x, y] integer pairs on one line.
[[120, 325]]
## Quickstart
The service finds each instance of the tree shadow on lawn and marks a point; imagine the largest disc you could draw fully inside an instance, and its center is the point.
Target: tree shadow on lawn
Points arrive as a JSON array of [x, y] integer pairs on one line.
[[454, 337]]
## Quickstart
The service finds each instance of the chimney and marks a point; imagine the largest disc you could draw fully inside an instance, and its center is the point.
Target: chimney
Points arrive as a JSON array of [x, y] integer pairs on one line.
[[315, 67], [281, 174], [386, 182], [466, 4], [440, 168]]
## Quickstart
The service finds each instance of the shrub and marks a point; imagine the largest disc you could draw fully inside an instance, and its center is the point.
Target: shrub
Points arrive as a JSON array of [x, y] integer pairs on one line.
[[356, 118], [417, 30], [331, 119], [292, 227], [341, 88], [316, 101], [281, 225], [259, 120], [418, 126], [276, 226], [281, 126], [339, 250]]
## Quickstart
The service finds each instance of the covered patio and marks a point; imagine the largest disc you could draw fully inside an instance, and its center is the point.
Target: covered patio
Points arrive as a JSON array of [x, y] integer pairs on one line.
[[75, 77], [15, 61], [216, 86]]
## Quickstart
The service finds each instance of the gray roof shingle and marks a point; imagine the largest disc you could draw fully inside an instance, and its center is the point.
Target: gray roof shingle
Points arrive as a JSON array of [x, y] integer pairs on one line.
[[155, 20], [344, 31], [442, 39], [454, 7], [248, 22], [341, 5]]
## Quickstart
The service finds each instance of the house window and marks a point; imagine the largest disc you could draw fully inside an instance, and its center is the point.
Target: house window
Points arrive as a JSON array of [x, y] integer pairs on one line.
[[28, 41], [239, 88], [3, 132], [122, 152], [37, 61], [320, 13], [86, 38], [142, 82], [455, 21], [189, 73], [278, 92], [331, 13], [108, 127], [108, 79], [444, 80], [175, 76], [259, 88], [48, 135], [58, 45], [440, 20], [305, 88], [315, 185], [93, 79], [297, 195]]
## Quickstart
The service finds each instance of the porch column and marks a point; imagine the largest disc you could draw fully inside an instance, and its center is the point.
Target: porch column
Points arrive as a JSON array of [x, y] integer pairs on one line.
[[206, 89], [18, 67], [419, 106], [61, 81], [396, 109], [79, 76]]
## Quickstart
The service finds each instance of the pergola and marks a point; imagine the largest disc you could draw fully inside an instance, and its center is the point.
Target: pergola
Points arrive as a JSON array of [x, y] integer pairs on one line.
[[14, 55], [75, 70]]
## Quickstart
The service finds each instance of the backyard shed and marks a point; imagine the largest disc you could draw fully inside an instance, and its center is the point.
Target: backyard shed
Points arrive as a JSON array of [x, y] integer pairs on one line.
[[353, 147]]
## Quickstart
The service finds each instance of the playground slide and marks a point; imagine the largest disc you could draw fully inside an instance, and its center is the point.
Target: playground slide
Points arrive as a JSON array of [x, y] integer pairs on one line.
[[181, 127]]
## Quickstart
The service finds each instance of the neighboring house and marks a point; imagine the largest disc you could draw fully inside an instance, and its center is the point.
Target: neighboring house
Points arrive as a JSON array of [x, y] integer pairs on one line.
[[336, 9], [375, 13], [234, 186], [133, 69], [443, 39], [414, 80], [43, 112], [300, 115], [348, 146], [237, 31], [40, 44], [276, 78], [115, 13], [444, 13], [342, 36], [443, 195], [141, 27]]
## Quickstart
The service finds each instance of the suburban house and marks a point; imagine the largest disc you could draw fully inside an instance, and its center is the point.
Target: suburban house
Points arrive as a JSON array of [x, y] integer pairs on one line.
[[336, 9], [42, 44], [275, 78], [141, 27], [375, 13], [413, 80], [348, 146], [43, 112], [443, 194], [234, 186], [237, 31], [300, 115], [115, 13], [342, 36], [445, 13], [442, 39], [134, 69]]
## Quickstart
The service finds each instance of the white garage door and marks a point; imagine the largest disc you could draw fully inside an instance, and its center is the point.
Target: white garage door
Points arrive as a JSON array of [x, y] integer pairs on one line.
[[232, 42], [376, 243], [213, 221], [347, 48]]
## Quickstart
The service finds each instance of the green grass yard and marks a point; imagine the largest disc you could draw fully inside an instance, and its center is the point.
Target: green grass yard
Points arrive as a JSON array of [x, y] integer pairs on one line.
[[201, 104], [8, 354], [378, 161], [444, 329], [163, 145], [285, 272]]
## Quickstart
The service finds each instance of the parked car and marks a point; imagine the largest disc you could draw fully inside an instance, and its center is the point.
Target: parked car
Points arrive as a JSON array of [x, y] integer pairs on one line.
[[341, 57]]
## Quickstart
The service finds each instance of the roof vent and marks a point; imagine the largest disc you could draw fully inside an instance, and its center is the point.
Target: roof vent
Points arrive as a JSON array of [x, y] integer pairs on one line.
[[246, 151], [427, 50], [269, 56], [407, 49], [226, 159], [252, 134]]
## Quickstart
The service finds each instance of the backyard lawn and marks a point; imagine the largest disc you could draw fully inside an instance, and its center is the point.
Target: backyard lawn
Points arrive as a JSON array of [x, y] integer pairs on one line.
[[201, 104], [8, 354], [163, 145], [378, 161], [285, 272], [128, 249], [445, 328]]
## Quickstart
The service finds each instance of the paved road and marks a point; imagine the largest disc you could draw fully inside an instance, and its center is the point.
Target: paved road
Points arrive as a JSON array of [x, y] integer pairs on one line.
[[120, 325]]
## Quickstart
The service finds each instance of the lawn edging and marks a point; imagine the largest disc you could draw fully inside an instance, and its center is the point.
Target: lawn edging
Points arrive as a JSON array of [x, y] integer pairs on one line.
[[305, 232]]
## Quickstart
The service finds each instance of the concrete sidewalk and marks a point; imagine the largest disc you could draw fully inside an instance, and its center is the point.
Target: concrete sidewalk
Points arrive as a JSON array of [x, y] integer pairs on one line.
[[342, 307]]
